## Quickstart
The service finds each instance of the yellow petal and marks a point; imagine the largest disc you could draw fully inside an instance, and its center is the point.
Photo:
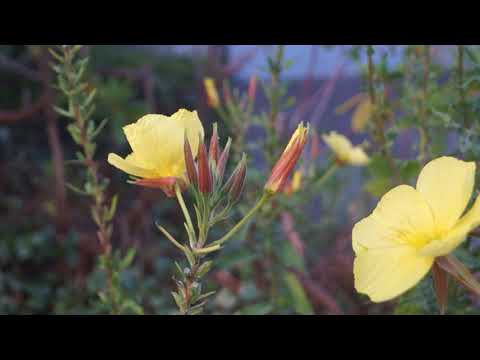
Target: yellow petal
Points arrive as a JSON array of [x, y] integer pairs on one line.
[[350, 103], [193, 126], [358, 157], [446, 184], [129, 166], [401, 217], [296, 180], [385, 273], [456, 235], [158, 140], [344, 150]]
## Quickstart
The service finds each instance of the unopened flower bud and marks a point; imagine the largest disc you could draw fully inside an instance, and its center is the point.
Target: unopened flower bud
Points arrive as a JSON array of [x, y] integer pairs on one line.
[[222, 161], [204, 175], [238, 180], [213, 151], [252, 88], [190, 163], [213, 99], [286, 163]]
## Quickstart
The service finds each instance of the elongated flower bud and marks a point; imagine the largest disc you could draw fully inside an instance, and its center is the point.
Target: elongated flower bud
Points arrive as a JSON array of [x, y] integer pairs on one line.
[[222, 161], [213, 99], [286, 163], [252, 88], [190, 163], [213, 151], [204, 175], [238, 180]]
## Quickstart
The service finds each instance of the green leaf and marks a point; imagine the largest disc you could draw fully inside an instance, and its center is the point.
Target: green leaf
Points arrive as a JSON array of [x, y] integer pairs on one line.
[[127, 260], [378, 186], [178, 300], [379, 166], [204, 269], [300, 300], [256, 309], [410, 169]]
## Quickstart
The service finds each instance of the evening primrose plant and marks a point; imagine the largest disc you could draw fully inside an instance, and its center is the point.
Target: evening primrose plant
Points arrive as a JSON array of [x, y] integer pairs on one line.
[[169, 153]]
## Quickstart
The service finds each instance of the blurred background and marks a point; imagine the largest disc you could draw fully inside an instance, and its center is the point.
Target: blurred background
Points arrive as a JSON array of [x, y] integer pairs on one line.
[[48, 245]]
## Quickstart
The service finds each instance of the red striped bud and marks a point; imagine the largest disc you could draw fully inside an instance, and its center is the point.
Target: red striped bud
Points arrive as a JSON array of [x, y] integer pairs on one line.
[[190, 163], [284, 166], [204, 175], [166, 184], [222, 162], [238, 180], [213, 151], [252, 88]]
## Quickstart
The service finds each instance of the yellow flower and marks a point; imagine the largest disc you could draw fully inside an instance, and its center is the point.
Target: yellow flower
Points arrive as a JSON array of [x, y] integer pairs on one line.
[[296, 180], [344, 150], [361, 115], [397, 244], [157, 142], [363, 110], [212, 94]]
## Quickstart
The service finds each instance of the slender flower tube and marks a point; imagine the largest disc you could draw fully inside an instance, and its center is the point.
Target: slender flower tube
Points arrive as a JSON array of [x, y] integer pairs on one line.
[[411, 228], [345, 152], [287, 161], [157, 143]]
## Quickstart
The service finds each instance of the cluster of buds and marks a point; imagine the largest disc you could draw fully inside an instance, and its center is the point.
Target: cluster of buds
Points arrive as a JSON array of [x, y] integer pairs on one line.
[[206, 177]]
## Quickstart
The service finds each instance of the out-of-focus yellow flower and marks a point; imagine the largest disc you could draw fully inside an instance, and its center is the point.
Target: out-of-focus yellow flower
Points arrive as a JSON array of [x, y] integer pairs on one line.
[[362, 113], [344, 150], [157, 143], [296, 180], [294, 185], [212, 94], [284, 166], [397, 244]]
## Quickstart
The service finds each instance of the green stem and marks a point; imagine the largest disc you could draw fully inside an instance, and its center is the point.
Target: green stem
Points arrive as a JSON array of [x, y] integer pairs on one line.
[[265, 197], [423, 112], [178, 193], [460, 84], [327, 174], [371, 88]]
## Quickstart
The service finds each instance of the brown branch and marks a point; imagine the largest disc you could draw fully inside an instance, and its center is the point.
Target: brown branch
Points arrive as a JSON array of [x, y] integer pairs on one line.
[[292, 235], [11, 116]]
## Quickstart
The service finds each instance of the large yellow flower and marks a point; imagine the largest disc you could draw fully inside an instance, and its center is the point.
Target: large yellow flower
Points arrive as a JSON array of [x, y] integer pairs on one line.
[[344, 150], [157, 143], [397, 244]]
